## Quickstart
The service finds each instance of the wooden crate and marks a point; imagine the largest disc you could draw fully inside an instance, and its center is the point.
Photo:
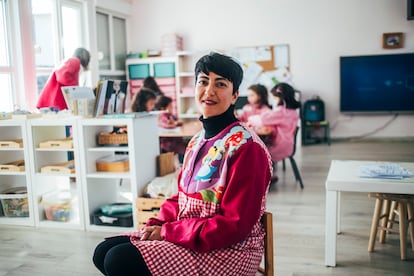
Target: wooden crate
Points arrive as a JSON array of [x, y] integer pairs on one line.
[[16, 166], [60, 168], [147, 208], [15, 143], [64, 143]]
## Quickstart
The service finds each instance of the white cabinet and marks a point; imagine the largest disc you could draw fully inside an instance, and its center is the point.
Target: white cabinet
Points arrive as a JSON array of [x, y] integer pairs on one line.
[[15, 147], [103, 188], [56, 189]]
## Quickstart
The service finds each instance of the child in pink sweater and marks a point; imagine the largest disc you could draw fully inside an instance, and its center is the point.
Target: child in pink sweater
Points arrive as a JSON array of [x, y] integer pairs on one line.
[[258, 102], [282, 120]]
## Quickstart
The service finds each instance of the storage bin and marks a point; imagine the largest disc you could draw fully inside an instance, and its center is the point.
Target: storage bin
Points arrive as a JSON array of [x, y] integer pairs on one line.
[[166, 82], [164, 70], [16, 143], [120, 219], [57, 205], [60, 168], [16, 166], [15, 202], [136, 83], [113, 163], [64, 143], [110, 138], [138, 71]]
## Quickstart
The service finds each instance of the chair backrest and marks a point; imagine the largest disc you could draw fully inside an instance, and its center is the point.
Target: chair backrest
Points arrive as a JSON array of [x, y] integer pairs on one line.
[[267, 220], [294, 142]]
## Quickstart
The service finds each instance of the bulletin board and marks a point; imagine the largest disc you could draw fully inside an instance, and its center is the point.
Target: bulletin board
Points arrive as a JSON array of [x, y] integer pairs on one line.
[[270, 57], [267, 65]]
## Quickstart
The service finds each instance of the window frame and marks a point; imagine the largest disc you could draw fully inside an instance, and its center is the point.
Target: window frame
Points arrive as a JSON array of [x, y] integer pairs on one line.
[[112, 72]]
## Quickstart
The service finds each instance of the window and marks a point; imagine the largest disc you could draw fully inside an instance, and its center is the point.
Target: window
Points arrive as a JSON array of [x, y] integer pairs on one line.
[[7, 72], [59, 22], [111, 38]]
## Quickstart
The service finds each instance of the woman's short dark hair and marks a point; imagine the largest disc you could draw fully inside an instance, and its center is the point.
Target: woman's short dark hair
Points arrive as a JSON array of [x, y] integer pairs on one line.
[[286, 94], [84, 56], [261, 91], [162, 102], [141, 99], [222, 65]]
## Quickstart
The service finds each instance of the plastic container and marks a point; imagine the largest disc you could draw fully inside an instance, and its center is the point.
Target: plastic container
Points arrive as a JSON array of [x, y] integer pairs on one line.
[[120, 219], [15, 202], [57, 205]]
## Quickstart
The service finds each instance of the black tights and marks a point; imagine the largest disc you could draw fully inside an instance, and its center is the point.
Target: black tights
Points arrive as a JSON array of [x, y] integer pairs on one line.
[[117, 256]]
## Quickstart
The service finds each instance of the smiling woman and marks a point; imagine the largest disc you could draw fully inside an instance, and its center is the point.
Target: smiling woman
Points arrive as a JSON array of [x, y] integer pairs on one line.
[[222, 188]]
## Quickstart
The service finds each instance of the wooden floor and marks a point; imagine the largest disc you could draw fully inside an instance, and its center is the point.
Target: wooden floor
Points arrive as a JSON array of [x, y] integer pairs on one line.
[[298, 225]]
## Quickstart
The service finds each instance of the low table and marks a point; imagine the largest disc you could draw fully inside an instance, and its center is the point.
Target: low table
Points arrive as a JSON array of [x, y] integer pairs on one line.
[[343, 177]]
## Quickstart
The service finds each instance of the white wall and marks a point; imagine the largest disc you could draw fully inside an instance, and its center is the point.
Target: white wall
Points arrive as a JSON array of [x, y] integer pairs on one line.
[[317, 31]]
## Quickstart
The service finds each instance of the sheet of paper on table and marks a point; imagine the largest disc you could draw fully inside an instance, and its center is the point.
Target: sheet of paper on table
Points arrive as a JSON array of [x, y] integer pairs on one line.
[[384, 170]]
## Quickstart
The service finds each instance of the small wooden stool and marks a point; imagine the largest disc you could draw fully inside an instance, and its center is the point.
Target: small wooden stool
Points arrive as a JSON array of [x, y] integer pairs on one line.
[[384, 217]]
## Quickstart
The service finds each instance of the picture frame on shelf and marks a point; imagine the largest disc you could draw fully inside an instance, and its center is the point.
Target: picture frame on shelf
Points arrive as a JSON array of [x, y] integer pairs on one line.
[[392, 40]]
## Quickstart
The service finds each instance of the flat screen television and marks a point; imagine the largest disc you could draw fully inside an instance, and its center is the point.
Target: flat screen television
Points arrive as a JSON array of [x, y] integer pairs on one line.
[[377, 83]]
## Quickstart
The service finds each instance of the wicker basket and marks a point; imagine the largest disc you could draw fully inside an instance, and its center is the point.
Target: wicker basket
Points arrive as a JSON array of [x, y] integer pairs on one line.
[[107, 138]]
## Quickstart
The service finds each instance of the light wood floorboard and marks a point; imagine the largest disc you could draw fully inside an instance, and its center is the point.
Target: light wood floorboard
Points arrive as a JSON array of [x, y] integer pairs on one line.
[[298, 225]]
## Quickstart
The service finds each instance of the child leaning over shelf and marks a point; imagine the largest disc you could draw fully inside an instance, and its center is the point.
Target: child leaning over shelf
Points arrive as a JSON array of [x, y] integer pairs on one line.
[[258, 103], [144, 101], [168, 120]]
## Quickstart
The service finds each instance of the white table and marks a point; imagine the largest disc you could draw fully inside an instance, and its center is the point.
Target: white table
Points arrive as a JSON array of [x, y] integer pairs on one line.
[[343, 177]]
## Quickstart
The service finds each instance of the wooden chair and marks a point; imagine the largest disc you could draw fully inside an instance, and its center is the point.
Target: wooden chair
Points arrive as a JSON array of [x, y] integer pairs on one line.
[[293, 162], [268, 269], [386, 206]]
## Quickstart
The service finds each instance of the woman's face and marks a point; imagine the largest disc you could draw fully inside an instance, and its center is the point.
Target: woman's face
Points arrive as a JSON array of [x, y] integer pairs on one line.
[[214, 94]]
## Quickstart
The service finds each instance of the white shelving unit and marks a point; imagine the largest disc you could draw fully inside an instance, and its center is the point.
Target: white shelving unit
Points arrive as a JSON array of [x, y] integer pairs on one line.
[[185, 85], [102, 188], [43, 130], [183, 94], [12, 130], [161, 68]]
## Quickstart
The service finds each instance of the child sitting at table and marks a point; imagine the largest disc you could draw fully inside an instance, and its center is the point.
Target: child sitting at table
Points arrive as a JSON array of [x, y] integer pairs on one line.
[[258, 103], [168, 120], [282, 120]]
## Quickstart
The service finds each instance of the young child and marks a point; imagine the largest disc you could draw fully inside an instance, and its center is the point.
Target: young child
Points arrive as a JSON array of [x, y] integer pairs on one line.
[[282, 120], [144, 101], [258, 103], [168, 120]]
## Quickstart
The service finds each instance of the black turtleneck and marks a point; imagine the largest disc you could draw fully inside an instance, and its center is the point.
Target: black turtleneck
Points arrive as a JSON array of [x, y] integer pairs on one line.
[[215, 124]]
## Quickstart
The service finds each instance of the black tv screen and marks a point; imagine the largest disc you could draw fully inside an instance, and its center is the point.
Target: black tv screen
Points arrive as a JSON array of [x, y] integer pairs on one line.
[[377, 83]]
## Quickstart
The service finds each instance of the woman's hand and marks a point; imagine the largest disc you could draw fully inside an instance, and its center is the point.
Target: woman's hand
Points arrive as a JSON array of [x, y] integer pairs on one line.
[[152, 233]]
